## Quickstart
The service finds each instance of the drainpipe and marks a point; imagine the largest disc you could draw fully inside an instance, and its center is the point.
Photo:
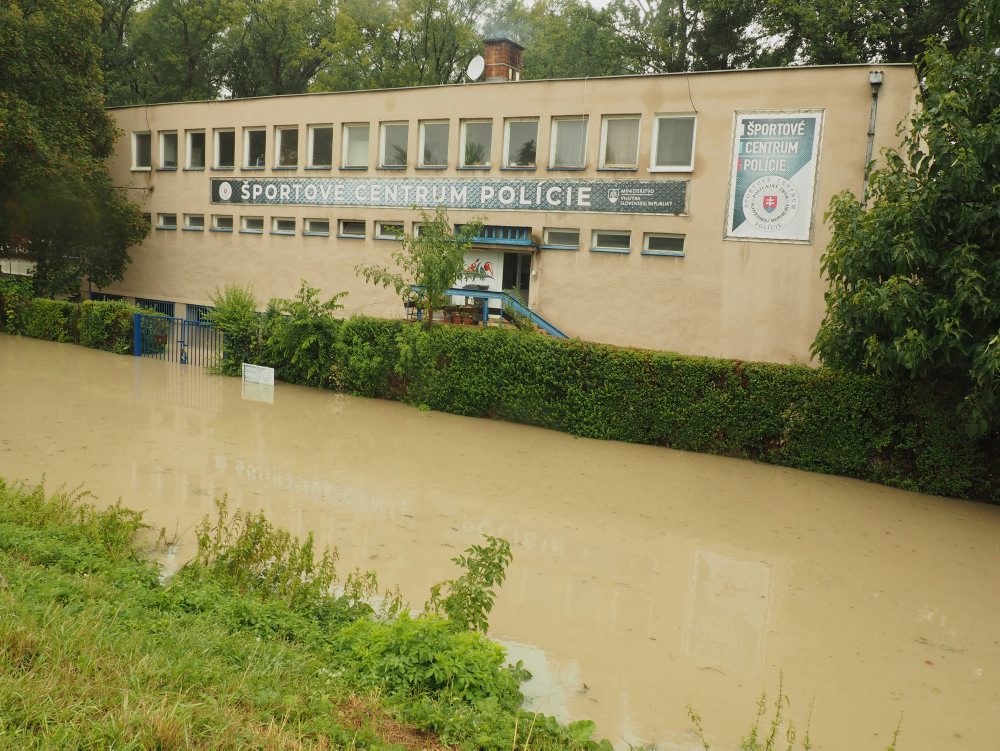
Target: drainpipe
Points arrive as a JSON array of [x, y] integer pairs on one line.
[[875, 78]]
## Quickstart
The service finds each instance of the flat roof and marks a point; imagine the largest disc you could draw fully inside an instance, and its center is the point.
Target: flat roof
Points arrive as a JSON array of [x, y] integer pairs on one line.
[[522, 82]]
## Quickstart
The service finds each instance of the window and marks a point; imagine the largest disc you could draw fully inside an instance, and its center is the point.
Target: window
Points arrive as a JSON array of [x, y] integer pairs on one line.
[[225, 149], [388, 230], [141, 159], [355, 146], [520, 143], [434, 144], [168, 150], [352, 228], [195, 222], [655, 244], [394, 149], [222, 223], [673, 143], [197, 313], [195, 149], [477, 141], [254, 148], [569, 143], [286, 147], [282, 226], [611, 241], [253, 225], [320, 145], [166, 221], [164, 307], [317, 227], [147, 218], [620, 142], [418, 229], [561, 238]]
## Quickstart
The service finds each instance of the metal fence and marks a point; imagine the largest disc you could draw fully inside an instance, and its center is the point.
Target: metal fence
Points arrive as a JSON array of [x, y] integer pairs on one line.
[[176, 340]]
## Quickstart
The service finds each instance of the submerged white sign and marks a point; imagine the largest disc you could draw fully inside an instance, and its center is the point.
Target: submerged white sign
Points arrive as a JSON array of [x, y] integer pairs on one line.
[[773, 175]]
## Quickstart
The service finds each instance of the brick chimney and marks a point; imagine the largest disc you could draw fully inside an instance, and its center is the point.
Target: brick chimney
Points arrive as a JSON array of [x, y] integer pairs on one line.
[[504, 60]]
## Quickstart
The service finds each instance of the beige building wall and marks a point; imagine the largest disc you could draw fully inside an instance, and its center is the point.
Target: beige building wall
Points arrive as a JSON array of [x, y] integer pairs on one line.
[[731, 298]]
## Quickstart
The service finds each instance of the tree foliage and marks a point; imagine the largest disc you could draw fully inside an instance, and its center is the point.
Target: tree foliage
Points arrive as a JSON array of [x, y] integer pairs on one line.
[[58, 206], [915, 276]]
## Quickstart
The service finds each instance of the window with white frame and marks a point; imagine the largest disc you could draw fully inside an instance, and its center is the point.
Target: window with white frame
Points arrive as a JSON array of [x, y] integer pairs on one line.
[[168, 149], [317, 227], [253, 225], [222, 222], [569, 143], [394, 148], [418, 228], [477, 143], [286, 147], [320, 145], [351, 228], [254, 148], [282, 225], [662, 244], [141, 151], [620, 142], [520, 143], [673, 143], [195, 149], [434, 144], [558, 237], [225, 148], [612, 241], [355, 154], [195, 222], [388, 230], [166, 221]]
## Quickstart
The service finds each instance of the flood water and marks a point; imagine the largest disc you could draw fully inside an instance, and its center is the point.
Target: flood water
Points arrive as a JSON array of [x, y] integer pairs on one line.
[[643, 579]]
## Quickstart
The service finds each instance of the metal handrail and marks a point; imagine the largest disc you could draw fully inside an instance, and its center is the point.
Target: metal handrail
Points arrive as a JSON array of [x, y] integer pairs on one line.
[[506, 299]]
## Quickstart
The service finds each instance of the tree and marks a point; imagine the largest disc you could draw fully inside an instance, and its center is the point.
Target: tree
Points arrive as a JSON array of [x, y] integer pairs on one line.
[[915, 276], [58, 207], [427, 263]]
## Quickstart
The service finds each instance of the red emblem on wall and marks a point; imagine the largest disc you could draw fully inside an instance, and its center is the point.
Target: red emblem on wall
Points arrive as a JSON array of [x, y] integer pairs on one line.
[[770, 203]]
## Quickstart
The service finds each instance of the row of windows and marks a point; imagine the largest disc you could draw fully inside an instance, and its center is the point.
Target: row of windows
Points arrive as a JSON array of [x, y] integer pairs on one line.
[[672, 145], [555, 238]]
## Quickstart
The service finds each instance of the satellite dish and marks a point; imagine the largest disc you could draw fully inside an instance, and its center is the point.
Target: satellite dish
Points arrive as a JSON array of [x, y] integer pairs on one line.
[[476, 67]]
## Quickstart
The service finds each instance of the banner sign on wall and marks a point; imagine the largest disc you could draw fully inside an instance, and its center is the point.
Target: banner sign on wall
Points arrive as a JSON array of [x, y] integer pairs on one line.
[[599, 196], [773, 175]]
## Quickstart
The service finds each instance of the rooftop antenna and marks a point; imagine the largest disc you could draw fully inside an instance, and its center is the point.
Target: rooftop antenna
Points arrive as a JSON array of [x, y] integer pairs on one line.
[[476, 67]]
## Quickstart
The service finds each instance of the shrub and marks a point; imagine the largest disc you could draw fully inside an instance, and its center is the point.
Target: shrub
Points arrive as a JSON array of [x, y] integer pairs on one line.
[[107, 325], [54, 320], [235, 313], [15, 293]]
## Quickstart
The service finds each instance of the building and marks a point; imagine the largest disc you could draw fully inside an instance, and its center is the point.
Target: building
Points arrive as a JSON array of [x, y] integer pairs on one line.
[[677, 212]]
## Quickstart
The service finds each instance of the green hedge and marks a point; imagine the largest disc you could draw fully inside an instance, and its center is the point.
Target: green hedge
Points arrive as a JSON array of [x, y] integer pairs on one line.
[[814, 419]]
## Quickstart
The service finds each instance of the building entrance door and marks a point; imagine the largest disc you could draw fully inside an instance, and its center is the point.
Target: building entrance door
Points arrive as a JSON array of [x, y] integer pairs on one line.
[[517, 275]]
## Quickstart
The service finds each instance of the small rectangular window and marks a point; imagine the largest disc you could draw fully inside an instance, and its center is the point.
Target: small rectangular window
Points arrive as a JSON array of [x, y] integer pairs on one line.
[[164, 307], [520, 143], [320, 145], [317, 227], [673, 143], [282, 226], [286, 147], [434, 144], [561, 238], [352, 228], [225, 149], [147, 218], [195, 149], [197, 313], [418, 228], [613, 241], [569, 143], [222, 222], [388, 230], [477, 143], [141, 151], [194, 222], [254, 148], [166, 221], [394, 144], [620, 142], [657, 244], [168, 150], [356, 146], [253, 225]]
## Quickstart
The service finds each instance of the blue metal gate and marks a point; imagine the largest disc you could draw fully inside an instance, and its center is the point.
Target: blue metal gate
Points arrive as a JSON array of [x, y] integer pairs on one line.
[[176, 340]]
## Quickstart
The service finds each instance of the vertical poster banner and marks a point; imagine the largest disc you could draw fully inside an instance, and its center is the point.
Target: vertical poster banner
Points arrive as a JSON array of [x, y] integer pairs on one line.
[[773, 175]]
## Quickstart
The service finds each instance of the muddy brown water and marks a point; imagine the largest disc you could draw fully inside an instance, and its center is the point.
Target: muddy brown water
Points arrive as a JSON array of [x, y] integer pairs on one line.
[[643, 579]]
